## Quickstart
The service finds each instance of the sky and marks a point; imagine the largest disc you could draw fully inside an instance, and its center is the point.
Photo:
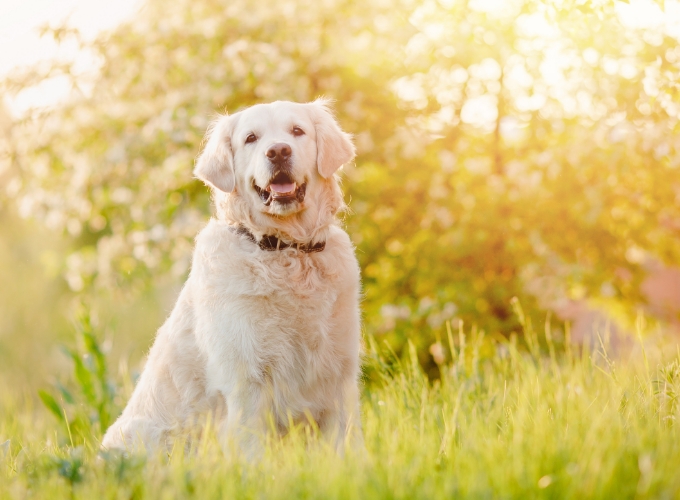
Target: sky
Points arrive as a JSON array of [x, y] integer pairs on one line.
[[21, 44], [20, 20]]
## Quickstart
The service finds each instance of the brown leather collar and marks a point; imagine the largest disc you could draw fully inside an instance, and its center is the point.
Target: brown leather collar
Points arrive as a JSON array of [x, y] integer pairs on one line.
[[271, 243]]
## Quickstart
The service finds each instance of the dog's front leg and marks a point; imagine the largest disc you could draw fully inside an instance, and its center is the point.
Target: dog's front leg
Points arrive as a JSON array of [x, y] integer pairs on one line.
[[340, 424], [243, 430]]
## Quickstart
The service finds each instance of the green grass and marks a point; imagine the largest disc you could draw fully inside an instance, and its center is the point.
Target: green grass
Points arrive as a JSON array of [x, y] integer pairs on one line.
[[502, 422]]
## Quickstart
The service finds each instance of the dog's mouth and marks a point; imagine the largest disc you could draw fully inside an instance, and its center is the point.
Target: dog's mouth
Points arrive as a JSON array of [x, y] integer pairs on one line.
[[281, 189]]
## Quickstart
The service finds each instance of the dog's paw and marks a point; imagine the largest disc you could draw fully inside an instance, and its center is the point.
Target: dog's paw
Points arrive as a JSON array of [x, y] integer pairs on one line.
[[134, 435]]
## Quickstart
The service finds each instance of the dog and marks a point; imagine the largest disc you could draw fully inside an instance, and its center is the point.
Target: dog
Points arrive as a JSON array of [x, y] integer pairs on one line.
[[266, 331]]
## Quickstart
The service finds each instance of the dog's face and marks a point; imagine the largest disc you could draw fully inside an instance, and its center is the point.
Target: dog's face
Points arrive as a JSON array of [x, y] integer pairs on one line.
[[275, 156]]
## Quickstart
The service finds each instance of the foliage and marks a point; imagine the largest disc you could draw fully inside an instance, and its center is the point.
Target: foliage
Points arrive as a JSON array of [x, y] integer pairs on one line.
[[84, 407], [522, 148], [500, 423], [32, 300]]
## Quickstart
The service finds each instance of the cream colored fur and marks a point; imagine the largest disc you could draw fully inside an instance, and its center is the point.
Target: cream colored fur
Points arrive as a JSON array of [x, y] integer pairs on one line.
[[259, 337]]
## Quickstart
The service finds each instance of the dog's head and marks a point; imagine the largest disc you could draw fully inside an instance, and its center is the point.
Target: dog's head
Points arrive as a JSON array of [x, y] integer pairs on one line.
[[277, 159]]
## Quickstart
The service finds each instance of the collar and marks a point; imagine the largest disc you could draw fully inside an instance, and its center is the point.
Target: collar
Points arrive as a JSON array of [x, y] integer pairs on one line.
[[271, 243]]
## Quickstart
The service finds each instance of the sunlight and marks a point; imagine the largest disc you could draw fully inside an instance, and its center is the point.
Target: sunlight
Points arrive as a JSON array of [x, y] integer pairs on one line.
[[496, 8], [537, 26], [507, 197], [23, 46], [641, 14]]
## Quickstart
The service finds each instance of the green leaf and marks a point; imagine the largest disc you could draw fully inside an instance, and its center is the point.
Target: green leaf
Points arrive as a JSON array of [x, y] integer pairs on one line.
[[52, 405], [66, 394], [84, 379]]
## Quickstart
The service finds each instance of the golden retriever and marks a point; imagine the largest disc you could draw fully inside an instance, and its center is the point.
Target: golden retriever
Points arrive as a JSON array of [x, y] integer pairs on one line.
[[266, 330]]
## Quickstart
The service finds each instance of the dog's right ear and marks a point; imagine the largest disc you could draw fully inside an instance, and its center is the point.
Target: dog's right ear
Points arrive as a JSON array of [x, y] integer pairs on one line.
[[215, 166]]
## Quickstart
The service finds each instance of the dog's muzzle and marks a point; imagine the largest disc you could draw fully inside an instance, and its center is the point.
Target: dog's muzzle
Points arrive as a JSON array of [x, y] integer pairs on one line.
[[281, 188]]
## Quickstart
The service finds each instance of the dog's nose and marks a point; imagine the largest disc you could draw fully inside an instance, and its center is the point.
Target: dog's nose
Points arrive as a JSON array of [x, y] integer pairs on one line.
[[279, 152]]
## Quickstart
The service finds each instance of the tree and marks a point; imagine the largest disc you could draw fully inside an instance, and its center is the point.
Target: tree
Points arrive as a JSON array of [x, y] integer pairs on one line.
[[527, 149]]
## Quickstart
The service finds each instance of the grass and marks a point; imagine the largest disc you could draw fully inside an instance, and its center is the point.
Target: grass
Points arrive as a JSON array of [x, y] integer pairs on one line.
[[502, 422]]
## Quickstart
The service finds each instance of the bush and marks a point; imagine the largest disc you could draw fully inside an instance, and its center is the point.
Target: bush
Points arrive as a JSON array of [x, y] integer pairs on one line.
[[527, 150]]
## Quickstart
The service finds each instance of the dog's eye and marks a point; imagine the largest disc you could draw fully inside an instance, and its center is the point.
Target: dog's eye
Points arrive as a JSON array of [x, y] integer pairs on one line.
[[297, 131], [251, 138]]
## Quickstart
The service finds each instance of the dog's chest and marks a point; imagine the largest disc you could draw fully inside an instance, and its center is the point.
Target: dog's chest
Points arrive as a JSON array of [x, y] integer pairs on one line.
[[283, 318], [276, 311]]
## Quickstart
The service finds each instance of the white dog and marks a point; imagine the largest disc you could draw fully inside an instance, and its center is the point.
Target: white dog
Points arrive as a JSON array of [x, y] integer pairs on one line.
[[266, 329]]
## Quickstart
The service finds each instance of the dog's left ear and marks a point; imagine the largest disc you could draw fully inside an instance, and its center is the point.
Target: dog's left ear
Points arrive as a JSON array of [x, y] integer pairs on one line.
[[215, 166], [334, 147]]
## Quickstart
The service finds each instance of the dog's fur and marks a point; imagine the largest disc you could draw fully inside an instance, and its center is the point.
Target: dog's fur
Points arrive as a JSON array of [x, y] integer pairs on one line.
[[262, 338]]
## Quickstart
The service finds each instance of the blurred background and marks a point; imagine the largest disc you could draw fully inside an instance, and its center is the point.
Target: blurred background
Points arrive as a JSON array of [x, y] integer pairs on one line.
[[507, 148]]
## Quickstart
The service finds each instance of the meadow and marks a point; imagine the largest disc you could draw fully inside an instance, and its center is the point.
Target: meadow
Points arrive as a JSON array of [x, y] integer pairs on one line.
[[503, 420]]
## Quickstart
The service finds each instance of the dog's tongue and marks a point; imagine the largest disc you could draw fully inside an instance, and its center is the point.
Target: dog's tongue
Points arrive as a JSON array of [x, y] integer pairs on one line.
[[282, 188]]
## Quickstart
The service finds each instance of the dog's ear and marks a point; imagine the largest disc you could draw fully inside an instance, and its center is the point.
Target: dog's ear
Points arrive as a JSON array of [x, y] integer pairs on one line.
[[334, 147], [215, 166]]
